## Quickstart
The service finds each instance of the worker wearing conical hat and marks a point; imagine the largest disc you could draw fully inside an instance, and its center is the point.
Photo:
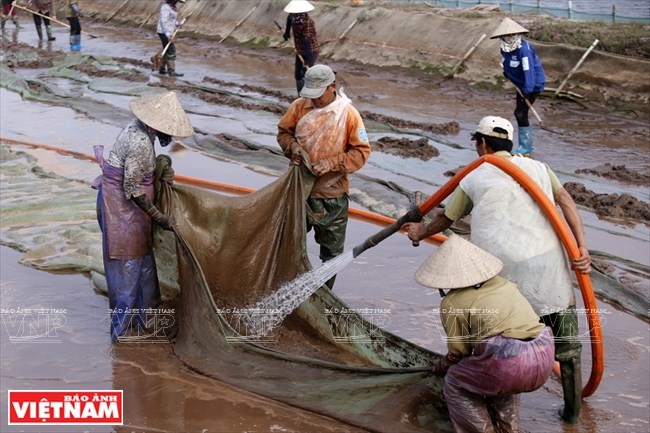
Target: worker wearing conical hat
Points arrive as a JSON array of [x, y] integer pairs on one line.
[[304, 38], [523, 68], [125, 208], [497, 348]]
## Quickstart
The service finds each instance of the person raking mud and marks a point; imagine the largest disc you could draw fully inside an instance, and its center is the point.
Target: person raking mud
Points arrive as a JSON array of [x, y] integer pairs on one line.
[[324, 124], [304, 38], [523, 68], [9, 12], [45, 8], [167, 23], [507, 223], [497, 348], [125, 208]]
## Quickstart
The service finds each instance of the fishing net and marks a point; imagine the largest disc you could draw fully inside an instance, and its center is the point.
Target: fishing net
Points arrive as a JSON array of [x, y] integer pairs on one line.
[[234, 250]]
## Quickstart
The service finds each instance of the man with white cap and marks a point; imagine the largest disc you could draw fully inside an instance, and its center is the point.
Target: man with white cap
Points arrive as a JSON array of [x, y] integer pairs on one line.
[[325, 125], [497, 348], [125, 208], [523, 68], [304, 38], [508, 223]]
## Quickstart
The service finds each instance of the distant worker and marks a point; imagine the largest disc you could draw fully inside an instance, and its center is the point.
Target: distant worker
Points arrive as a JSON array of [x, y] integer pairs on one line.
[[523, 68], [167, 24], [125, 208], [73, 15], [9, 11], [304, 38], [324, 124], [496, 346], [508, 223], [43, 7]]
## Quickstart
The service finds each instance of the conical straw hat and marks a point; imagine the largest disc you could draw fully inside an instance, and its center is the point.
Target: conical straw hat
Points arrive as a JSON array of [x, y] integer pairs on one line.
[[457, 264], [163, 112], [298, 6], [508, 27]]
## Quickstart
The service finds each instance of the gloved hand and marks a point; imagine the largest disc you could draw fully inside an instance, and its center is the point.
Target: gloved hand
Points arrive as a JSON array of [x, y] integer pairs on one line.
[[164, 221], [442, 364], [76, 10], [296, 157], [322, 167], [167, 175], [286, 36]]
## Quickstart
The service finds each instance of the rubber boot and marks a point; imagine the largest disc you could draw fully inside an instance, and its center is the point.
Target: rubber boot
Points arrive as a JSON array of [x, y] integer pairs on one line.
[[48, 30], [572, 389], [525, 141], [299, 85], [39, 30], [16, 23], [2, 22], [171, 65], [163, 67], [75, 43]]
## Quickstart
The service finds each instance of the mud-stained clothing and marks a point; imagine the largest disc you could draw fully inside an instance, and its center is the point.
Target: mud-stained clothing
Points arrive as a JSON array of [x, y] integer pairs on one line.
[[167, 24], [134, 153], [503, 349], [335, 133], [127, 242]]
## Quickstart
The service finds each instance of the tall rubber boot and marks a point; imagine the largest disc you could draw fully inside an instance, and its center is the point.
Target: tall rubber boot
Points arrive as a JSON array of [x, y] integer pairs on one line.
[[572, 389], [2, 22], [39, 30], [163, 67], [525, 141], [171, 65], [48, 30], [16, 23], [299, 85], [75, 43]]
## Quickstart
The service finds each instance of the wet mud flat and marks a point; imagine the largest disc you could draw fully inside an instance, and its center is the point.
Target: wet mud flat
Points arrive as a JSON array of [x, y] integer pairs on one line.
[[624, 402]]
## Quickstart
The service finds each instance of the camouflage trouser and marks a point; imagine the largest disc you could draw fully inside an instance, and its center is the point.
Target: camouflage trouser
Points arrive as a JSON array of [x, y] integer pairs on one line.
[[565, 329], [329, 218]]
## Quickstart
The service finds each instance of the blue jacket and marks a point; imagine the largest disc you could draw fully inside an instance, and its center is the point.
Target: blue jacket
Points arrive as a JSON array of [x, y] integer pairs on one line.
[[524, 69]]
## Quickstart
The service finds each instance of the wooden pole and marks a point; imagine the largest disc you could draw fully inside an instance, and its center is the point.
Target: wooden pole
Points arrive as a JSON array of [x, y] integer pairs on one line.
[[466, 56], [117, 10], [148, 18], [575, 68], [51, 19], [345, 32], [238, 24]]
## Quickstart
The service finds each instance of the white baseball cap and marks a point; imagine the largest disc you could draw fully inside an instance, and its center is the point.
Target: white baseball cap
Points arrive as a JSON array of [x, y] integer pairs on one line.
[[317, 78], [488, 124]]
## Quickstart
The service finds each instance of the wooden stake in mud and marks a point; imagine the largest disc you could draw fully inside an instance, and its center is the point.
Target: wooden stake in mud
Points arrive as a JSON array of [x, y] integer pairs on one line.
[[148, 18], [51, 19], [466, 56], [117, 10], [238, 24], [575, 68], [345, 32]]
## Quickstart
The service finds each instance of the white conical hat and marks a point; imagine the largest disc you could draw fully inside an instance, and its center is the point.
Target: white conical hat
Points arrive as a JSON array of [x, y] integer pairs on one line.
[[508, 27], [163, 112], [457, 264], [298, 6]]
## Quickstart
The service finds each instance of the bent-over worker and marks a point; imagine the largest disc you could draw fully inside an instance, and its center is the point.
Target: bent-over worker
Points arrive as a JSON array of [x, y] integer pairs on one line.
[[497, 348]]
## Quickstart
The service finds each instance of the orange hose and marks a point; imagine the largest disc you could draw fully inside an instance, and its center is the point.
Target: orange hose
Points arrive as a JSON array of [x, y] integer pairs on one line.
[[597, 364]]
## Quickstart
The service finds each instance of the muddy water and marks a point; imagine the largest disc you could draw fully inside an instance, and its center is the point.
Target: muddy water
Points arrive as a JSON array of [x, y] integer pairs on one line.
[[162, 395]]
